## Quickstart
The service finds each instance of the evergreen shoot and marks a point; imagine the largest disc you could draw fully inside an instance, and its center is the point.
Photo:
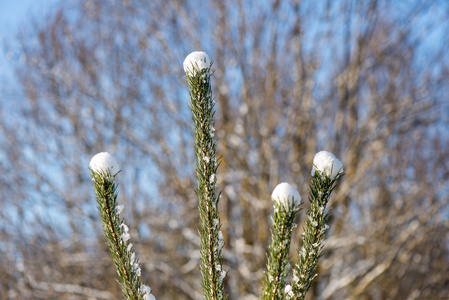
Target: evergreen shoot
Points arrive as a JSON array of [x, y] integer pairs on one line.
[[104, 169], [286, 204], [326, 172], [198, 69]]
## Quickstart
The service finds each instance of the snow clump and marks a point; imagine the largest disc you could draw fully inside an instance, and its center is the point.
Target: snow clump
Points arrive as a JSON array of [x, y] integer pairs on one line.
[[327, 164], [147, 293], [287, 196], [102, 162], [195, 61]]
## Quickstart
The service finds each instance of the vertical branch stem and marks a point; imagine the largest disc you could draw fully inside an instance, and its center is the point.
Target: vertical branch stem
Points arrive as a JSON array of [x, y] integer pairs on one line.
[[277, 266], [202, 107], [106, 193], [317, 219]]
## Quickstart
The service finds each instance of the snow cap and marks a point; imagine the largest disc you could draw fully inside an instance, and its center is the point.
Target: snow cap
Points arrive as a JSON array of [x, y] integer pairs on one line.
[[195, 61], [102, 162], [286, 195], [327, 164]]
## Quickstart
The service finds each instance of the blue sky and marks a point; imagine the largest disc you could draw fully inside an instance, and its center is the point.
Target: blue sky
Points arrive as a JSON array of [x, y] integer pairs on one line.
[[14, 12], [13, 15]]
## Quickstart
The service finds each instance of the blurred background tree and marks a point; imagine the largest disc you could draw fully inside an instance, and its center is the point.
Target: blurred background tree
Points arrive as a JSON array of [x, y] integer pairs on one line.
[[367, 80]]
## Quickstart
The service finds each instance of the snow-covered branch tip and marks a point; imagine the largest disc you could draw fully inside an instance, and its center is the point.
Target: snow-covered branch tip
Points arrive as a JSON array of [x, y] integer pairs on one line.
[[326, 171], [104, 168], [196, 61], [327, 164], [286, 201], [197, 67]]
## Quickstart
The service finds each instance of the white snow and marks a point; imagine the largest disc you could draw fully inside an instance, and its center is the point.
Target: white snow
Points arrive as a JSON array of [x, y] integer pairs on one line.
[[102, 162], [149, 297], [222, 276], [125, 232], [145, 289], [124, 227], [327, 164], [119, 209], [288, 291], [195, 61], [125, 237], [220, 240], [133, 258], [136, 269], [147, 292], [286, 195], [295, 278]]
